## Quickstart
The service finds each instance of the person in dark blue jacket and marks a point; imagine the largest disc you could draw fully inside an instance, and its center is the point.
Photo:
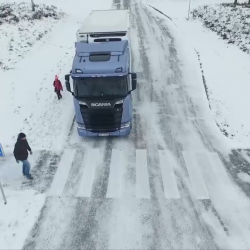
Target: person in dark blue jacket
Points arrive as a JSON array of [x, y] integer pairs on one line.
[[21, 154]]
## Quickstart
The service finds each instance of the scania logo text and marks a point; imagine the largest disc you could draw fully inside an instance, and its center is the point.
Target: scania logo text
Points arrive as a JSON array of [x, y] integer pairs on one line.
[[101, 104]]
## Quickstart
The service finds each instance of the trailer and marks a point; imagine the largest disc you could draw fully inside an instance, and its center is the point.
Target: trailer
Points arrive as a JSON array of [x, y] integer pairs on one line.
[[104, 26]]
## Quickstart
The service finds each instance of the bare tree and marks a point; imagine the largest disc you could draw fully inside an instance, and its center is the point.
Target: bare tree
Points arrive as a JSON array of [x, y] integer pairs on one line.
[[249, 2], [235, 2], [32, 5]]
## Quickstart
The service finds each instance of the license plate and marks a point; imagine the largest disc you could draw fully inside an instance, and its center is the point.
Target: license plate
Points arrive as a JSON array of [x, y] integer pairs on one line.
[[104, 134]]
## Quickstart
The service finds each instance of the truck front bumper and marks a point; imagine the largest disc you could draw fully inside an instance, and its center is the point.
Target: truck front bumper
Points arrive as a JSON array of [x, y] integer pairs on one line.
[[121, 132]]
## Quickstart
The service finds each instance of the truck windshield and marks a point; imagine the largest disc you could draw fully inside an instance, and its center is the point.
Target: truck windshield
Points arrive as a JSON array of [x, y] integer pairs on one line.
[[115, 86]]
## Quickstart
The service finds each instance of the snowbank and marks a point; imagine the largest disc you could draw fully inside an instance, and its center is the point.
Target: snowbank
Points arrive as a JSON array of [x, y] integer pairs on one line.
[[17, 217], [230, 22], [225, 69], [13, 12], [21, 28]]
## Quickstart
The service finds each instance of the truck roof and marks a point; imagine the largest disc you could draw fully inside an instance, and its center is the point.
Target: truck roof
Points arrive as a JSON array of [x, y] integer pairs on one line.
[[118, 47], [101, 59], [104, 21]]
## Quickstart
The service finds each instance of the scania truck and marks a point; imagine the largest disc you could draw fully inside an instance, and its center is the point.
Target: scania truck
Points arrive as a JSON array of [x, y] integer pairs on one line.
[[102, 81]]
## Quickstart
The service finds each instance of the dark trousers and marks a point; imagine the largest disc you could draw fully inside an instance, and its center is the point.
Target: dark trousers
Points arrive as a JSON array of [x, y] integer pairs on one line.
[[58, 92]]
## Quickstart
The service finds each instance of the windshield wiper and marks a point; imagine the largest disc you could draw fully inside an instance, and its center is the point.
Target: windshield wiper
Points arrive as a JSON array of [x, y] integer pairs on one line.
[[114, 96], [101, 97], [84, 97], [90, 97]]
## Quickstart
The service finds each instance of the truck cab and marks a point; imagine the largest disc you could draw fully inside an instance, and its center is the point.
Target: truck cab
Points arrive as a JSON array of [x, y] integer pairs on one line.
[[101, 86]]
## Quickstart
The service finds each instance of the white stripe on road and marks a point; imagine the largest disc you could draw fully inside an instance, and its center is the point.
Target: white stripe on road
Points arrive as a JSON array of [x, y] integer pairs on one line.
[[219, 170], [62, 173], [142, 181], [207, 172], [89, 164], [115, 175], [167, 164], [198, 185]]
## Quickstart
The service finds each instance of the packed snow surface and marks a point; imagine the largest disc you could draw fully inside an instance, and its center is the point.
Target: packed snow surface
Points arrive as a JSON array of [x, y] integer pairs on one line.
[[224, 65], [17, 216], [34, 48], [27, 98], [104, 180]]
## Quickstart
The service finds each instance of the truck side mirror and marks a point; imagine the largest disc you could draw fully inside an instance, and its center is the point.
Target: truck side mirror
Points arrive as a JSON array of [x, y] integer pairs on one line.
[[68, 86], [67, 83], [134, 81], [67, 78], [133, 75]]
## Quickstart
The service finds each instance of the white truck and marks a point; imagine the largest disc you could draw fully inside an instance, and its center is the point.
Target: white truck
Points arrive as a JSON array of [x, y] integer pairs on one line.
[[104, 26]]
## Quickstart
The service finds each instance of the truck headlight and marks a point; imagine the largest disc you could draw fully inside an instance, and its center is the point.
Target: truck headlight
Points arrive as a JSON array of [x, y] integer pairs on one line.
[[78, 71], [118, 70], [119, 102], [82, 103], [80, 125], [125, 125]]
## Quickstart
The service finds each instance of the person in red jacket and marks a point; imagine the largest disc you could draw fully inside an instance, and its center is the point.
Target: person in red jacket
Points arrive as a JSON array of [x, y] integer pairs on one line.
[[58, 87]]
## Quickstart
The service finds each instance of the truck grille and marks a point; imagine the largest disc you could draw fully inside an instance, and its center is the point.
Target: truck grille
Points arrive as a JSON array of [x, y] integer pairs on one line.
[[102, 119]]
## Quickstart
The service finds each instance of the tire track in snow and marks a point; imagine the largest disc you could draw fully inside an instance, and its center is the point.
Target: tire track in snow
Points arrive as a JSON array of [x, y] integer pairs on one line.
[[228, 225], [81, 222], [158, 202], [188, 109], [44, 171], [177, 147], [86, 227], [48, 233], [145, 93], [83, 231], [201, 129], [151, 225]]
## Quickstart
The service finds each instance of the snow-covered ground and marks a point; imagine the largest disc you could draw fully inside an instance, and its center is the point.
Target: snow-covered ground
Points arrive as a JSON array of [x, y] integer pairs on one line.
[[21, 29], [224, 65], [174, 156], [231, 23], [27, 90], [32, 53], [18, 216]]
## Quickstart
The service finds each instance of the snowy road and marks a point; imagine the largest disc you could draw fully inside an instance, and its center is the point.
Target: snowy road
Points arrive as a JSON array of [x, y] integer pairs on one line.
[[164, 187]]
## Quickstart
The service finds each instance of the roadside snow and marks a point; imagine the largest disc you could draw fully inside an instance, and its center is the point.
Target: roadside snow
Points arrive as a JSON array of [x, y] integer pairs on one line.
[[23, 204], [27, 99], [17, 216], [244, 177], [28, 102], [20, 29], [225, 69], [231, 23]]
